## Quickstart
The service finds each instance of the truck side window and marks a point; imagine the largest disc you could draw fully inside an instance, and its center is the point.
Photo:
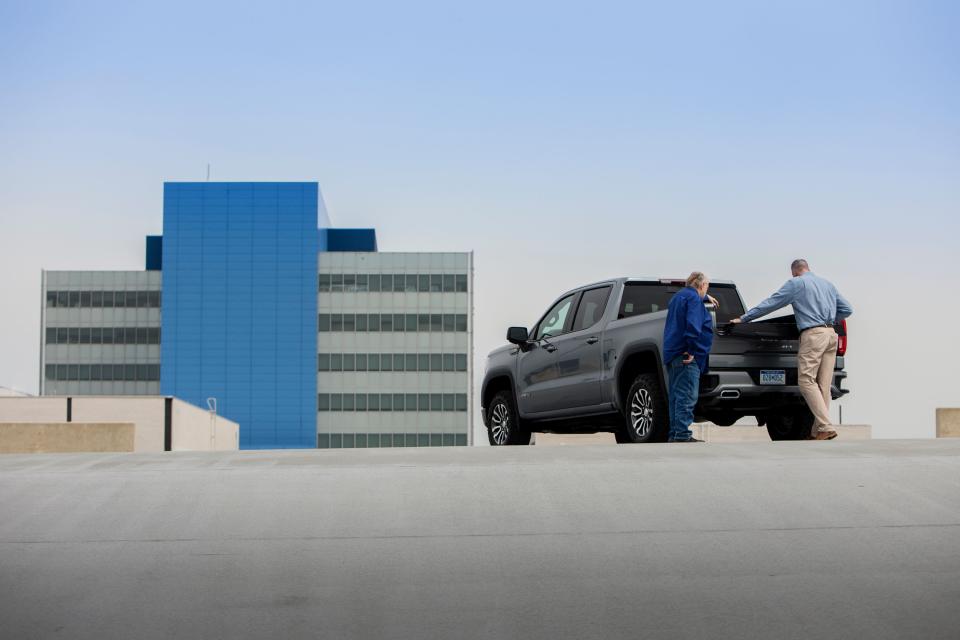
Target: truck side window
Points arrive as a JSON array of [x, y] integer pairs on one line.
[[639, 299], [555, 320], [591, 308]]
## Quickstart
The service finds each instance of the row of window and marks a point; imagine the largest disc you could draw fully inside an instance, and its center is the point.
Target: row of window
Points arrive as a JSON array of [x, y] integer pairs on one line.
[[366, 440], [104, 372], [397, 282], [391, 362], [104, 299], [391, 402], [423, 322], [103, 335]]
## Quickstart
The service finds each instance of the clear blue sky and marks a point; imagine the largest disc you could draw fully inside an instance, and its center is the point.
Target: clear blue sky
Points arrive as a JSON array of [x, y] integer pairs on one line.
[[561, 142]]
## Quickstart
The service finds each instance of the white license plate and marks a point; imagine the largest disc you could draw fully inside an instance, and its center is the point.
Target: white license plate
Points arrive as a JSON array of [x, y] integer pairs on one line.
[[773, 376]]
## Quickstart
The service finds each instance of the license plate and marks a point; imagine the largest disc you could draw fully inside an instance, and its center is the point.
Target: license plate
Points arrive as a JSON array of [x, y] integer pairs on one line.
[[773, 376]]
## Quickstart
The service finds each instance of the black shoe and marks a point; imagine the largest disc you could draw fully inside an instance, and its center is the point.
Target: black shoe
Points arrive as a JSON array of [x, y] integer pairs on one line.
[[690, 440]]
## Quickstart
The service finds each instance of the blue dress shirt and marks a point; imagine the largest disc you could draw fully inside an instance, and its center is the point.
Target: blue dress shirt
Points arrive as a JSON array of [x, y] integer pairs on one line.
[[815, 302]]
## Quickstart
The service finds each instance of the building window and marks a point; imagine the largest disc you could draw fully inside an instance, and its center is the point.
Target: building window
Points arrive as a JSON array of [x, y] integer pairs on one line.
[[324, 282], [461, 282]]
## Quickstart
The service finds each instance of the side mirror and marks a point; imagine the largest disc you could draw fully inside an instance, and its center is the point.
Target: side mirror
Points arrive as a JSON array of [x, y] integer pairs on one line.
[[517, 335]]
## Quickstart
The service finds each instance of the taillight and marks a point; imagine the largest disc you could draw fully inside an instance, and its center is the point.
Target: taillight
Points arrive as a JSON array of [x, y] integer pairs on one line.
[[842, 338]]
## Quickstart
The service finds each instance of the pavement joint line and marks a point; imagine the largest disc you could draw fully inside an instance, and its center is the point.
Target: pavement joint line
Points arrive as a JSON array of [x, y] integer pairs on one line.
[[531, 534]]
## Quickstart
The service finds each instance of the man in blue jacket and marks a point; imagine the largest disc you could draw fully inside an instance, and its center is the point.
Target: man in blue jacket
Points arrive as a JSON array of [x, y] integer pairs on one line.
[[687, 339]]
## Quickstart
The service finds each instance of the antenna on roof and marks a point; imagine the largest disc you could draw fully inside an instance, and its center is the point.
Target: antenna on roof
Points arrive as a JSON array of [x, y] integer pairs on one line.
[[208, 172]]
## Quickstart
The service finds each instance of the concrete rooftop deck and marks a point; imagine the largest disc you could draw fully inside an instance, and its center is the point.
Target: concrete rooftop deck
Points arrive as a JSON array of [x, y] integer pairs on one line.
[[751, 540]]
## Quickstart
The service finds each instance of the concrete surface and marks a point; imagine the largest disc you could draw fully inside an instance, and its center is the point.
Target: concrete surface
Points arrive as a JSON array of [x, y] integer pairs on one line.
[[948, 423], [755, 540], [707, 432], [66, 437]]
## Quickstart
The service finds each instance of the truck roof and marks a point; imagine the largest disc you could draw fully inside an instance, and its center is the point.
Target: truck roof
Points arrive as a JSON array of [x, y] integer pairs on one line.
[[624, 279]]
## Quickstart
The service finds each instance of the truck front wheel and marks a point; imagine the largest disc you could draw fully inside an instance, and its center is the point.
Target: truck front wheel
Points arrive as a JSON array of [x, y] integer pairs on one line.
[[646, 418], [790, 426], [503, 426]]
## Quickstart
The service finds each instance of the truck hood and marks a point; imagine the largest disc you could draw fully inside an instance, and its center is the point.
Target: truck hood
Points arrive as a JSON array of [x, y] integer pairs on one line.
[[502, 350]]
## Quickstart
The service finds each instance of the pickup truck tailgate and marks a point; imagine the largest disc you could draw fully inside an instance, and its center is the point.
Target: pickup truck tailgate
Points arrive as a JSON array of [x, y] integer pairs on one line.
[[775, 335]]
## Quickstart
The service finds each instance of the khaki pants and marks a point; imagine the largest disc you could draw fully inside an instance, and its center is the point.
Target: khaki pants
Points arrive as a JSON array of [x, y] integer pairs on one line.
[[815, 362]]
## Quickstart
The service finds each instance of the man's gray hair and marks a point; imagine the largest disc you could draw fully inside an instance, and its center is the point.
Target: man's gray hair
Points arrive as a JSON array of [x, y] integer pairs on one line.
[[696, 279], [799, 265]]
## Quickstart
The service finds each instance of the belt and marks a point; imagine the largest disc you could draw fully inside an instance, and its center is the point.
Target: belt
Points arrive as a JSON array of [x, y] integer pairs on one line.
[[819, 326]]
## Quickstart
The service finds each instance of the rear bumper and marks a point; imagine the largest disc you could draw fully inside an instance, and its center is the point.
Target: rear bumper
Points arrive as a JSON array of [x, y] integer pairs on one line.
[[737, 392]]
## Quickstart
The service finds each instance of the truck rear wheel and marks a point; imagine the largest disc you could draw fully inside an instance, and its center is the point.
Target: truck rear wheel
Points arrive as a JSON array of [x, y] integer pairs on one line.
[[646, 418], [790, 426], [503, 425]]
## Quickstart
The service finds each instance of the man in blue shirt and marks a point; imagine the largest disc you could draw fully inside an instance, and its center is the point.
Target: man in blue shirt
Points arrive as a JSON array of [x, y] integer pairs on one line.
[[818, 308], [687, 338]]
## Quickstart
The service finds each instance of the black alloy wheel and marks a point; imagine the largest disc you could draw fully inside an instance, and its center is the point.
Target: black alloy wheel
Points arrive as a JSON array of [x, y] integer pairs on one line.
[[646, 418], [503, 426]]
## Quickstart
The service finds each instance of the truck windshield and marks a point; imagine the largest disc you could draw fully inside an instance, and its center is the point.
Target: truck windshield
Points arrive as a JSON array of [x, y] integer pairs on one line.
[[640, 298]]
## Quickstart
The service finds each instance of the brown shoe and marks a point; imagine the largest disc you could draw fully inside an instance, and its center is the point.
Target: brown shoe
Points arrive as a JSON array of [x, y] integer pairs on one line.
[[826, 435]]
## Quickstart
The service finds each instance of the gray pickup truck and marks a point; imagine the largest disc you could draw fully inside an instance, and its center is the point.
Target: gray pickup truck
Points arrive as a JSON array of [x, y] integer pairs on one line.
[[593, 363]]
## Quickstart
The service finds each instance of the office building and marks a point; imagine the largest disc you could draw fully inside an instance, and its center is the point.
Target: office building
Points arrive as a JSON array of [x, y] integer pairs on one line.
[[252, 301]]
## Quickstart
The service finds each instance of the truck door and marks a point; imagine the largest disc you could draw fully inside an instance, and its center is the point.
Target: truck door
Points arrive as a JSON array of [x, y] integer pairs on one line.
[[538, 373], [562, 370], [582, 365]]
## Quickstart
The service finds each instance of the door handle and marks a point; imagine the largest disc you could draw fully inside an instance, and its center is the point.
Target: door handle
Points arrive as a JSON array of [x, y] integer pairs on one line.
[[593, 340], [550, 348]]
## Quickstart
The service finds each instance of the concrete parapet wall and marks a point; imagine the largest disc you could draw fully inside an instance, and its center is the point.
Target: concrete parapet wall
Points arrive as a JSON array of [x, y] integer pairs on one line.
[[195, 430], [948, 423], [33, 409], [66, 437], [145, 412]]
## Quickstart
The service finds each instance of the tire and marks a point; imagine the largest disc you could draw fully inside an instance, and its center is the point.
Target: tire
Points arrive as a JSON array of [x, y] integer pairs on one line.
[[646, 417], [503, 426], [795, 425]]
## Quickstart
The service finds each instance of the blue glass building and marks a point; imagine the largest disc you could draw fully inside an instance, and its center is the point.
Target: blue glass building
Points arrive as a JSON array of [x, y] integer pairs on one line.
[[240, 305]]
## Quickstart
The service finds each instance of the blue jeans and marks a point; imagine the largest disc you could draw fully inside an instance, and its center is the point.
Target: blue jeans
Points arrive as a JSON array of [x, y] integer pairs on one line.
[[684, 389]]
